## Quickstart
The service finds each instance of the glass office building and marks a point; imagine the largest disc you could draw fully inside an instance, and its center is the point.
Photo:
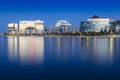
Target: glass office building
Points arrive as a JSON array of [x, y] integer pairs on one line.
[[97, 24]]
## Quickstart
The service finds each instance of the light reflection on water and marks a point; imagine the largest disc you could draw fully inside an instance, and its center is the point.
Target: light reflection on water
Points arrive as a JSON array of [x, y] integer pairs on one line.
[[26, 50], [52, 57], [100, 50], [97, 50], [37, 50]]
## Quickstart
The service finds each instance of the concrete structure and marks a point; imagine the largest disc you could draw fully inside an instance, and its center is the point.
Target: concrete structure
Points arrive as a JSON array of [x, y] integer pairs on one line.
[[12, 28], [50, 29], [63, 26], [31, 27], [75, 29], [118, 26]]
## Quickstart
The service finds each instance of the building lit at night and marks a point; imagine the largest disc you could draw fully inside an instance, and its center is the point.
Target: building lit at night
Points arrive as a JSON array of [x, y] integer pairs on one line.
[[31, 27], [12, 28], [97, 24]]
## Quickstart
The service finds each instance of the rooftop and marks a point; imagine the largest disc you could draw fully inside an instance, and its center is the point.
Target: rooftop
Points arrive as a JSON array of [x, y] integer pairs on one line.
[[95, 17]]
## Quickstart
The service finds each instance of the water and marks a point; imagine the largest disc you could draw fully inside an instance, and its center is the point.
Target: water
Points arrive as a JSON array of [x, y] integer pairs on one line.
[[59, 58]]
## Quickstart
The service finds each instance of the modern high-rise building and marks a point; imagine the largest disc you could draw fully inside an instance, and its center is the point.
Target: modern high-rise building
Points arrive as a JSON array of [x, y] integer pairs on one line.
[[12, 28], [63, 26], [31, 27]]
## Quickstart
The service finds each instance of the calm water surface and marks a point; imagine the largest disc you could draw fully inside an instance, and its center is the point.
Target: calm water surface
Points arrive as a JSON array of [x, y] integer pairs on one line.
[[59, 58]]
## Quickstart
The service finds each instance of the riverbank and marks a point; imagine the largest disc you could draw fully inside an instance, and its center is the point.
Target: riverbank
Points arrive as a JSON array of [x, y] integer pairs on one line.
[[102, 36]]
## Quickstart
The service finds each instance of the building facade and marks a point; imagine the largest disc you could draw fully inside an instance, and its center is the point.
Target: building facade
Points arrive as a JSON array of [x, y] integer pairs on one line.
[[50, 29], [31, 27], [118, 26], [97, 24], [63, 26], [12, 28]]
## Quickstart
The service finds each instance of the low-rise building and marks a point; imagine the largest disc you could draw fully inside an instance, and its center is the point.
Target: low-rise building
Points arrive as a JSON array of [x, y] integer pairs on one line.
[[63, 26], [75, 29], [31, 27], [12, 28], [95, 24], [50, 29]]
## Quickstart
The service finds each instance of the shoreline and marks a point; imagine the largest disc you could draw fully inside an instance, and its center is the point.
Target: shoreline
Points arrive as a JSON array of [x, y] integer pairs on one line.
[[102, 36]]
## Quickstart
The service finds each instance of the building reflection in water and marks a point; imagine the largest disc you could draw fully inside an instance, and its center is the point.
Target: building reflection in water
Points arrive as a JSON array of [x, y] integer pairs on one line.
[[26, 50], [111, 49], [97, 50], [13, 45], [30, 50]]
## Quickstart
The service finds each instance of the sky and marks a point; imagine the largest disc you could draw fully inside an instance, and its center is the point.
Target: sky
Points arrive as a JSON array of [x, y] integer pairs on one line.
[[50, 11]]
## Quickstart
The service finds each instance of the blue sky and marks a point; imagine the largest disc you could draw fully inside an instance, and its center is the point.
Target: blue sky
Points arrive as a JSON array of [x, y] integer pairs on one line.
[[52, 10]]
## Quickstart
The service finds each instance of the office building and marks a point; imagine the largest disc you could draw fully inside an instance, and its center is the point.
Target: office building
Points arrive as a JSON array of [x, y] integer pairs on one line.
[[96, 24], [31, 27]]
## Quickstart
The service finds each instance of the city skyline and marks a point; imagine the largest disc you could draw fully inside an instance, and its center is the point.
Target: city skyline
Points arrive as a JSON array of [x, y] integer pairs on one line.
[[51, 11], [93, 24]]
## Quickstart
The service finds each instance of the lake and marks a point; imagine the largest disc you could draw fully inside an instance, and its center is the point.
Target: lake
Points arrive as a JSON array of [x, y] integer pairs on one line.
[[59, 58]]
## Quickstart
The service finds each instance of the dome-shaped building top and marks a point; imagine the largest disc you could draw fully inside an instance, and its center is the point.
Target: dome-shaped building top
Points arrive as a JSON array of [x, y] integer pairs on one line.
[[95, 16]]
